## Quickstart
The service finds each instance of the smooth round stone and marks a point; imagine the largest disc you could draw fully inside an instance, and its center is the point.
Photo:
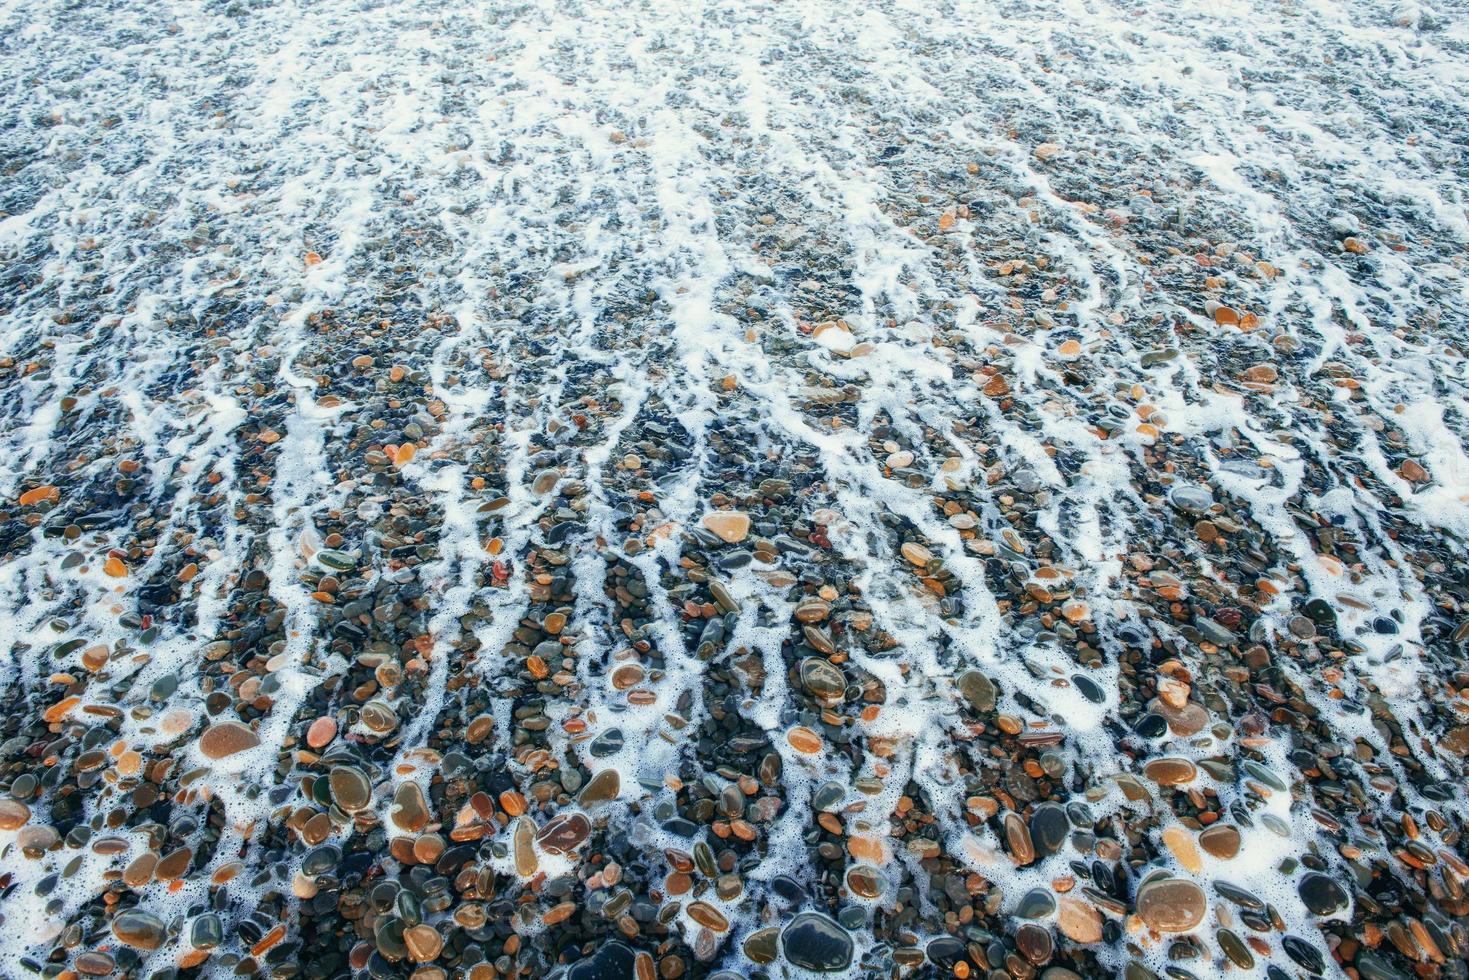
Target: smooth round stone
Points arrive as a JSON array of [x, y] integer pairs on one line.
[[410, 810], [379, 717], [1171, 771], [227, 738], [1220, 840], [814, 941], [730, 526], [760, 945], [608, 743], [1171, 904], [866, 881], [612, 961], [978, 690], [423, 943], [917, 554], [1035, 943], [1079, 921], [1321, 894], [1151, 725], [37, 839], [601, 788], [564, 833], [828, 796], [1306, 956], [321, 732], [1088, 688], [1185, 721], [1048, 828], [823, 681], [320, 860], [1191, 498], [1320, 612], [813, 611], [206, 932], [350, 788], [13, 814], [1035, 904], [139, 929], [945, 952]]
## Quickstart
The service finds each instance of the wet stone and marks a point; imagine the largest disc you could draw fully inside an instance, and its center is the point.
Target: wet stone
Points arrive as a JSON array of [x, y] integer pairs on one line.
[[1171, 904], [350, 788], [564, 833], [1321, 894], [608, 743], [611, 961], [227, 738], [1049, 827], [978, 690], [601, 788], [815, 942], [139, 929], [1038, 903], [1035, 943], [761, 945], [1220, 840], [823, 681], [1170, 771], [945, 952]]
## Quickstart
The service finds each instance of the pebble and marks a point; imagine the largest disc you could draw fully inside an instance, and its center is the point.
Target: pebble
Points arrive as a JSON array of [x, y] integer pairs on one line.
[[813, 941], [730, 526], [227, 738], [139, 929], [1171, 904]]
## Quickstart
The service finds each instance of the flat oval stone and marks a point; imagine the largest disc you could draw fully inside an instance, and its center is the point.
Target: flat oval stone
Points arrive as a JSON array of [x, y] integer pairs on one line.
[[1322, 895], [601, 788], [227, 738], [1079, 921], [1170, 771], [1018, 837], [139, 929], [814, 941], [865, 881], [409, 810], [350, 788], [564, 833], [321, 732], [822, 680], [760, 945], [1035, 904], [708, 916], [978, 690], [730, 526], [1171, 904], [611, 961], [1048, 828], [1220, 840], [1035, 943]]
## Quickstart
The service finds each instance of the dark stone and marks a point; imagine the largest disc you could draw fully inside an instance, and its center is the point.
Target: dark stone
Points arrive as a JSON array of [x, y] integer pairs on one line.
[[612, 961], [1321, 894], [814, 941]]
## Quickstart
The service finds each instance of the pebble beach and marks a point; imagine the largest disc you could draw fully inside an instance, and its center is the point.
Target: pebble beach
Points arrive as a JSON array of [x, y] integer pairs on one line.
[[760, 490]]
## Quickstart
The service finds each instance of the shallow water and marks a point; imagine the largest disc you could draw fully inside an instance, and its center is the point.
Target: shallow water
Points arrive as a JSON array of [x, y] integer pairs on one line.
[[1092, 377]]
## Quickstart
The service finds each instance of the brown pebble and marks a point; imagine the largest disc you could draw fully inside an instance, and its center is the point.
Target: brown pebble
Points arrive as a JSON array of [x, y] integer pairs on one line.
[[227, 738]]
